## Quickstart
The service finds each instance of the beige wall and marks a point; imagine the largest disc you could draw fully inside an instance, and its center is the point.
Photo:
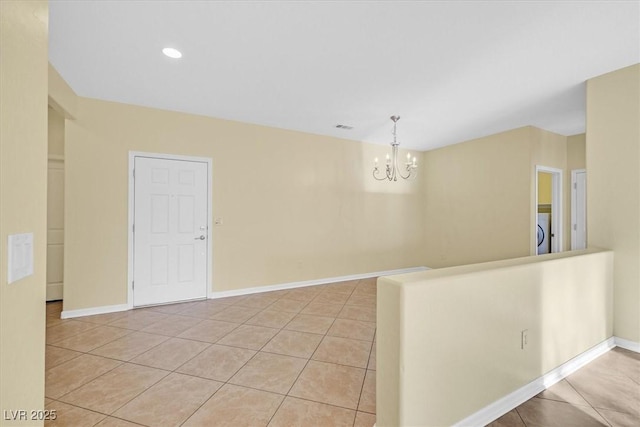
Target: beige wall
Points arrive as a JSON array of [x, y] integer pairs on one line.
[[295, 206], [613, 186], [23, 199], [480, 197], [55, 132], [576, 152], [449, 340], [61, 97], [477, 200], [544, 188]]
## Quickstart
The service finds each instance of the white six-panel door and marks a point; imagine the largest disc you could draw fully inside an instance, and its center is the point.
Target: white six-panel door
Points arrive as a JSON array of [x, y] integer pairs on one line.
[[170, 230]]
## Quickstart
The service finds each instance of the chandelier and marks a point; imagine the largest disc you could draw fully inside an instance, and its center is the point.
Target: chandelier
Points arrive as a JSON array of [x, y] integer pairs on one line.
[[392, 170]]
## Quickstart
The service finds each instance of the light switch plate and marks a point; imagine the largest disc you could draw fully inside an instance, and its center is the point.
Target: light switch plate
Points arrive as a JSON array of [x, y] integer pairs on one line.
[[20, 253]]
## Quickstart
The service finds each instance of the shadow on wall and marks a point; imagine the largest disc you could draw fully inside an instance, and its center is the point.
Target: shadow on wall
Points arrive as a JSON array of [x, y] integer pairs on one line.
[[451, 340]]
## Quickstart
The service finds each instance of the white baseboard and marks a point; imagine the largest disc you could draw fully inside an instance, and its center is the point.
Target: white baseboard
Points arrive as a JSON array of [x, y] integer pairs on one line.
[[69, 314], [292, 285], [500, 407], [54, 291], [628, 345]]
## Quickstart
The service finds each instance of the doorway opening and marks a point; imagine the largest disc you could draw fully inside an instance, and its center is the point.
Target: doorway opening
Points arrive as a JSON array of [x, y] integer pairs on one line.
[[548, 210], [55, 205]]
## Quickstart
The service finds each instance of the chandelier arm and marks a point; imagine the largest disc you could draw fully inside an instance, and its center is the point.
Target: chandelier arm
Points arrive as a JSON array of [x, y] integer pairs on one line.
[[409, 172], [375, 172]]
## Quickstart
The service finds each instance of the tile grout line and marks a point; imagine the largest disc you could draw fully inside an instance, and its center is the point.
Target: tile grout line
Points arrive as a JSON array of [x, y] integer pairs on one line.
[[602, 416], [121, 364], [129, 332], [324, 336], [597, 410], [299, 373], [366, 372], [82, 385], [143, 391], [236, 371], [168, 315], [585, 399], [520, 416], [175, 370], [128, 421], [307, 363]]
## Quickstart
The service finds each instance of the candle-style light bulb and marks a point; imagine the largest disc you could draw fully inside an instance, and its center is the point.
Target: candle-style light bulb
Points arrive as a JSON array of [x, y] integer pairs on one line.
[[408, 156], [388, 159], [375, 162], [414, 162]]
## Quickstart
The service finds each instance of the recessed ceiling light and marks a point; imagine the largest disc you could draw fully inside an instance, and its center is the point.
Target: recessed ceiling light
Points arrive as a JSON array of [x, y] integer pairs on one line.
[[172, 53]]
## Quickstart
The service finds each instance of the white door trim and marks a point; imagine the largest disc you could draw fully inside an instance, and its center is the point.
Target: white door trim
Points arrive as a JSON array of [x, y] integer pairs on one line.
[[557, 218], [132, 157], [574, 203]]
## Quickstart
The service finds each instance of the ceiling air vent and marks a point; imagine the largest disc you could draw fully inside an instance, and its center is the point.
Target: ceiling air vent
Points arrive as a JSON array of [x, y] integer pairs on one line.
[[345, 127]]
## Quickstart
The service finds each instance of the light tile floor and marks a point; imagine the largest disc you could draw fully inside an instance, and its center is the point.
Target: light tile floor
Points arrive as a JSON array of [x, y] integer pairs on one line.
[[304, 357], [606, 392]]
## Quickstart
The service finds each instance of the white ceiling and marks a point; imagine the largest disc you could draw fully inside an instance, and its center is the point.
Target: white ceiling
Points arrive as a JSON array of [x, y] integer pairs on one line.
[[452, 70]]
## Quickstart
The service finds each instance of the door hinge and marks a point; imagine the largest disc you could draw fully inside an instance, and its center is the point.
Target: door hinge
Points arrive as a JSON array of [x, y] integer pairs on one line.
[[575, 185], [134, 173], [133, 284], [134, 228], [575, 227]]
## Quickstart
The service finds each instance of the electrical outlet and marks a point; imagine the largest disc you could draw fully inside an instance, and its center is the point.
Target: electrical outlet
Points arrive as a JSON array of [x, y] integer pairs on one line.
[[524, 339]]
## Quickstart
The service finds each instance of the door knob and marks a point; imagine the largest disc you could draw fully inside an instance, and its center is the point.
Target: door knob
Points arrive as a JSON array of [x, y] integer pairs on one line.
[[200, 238]]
